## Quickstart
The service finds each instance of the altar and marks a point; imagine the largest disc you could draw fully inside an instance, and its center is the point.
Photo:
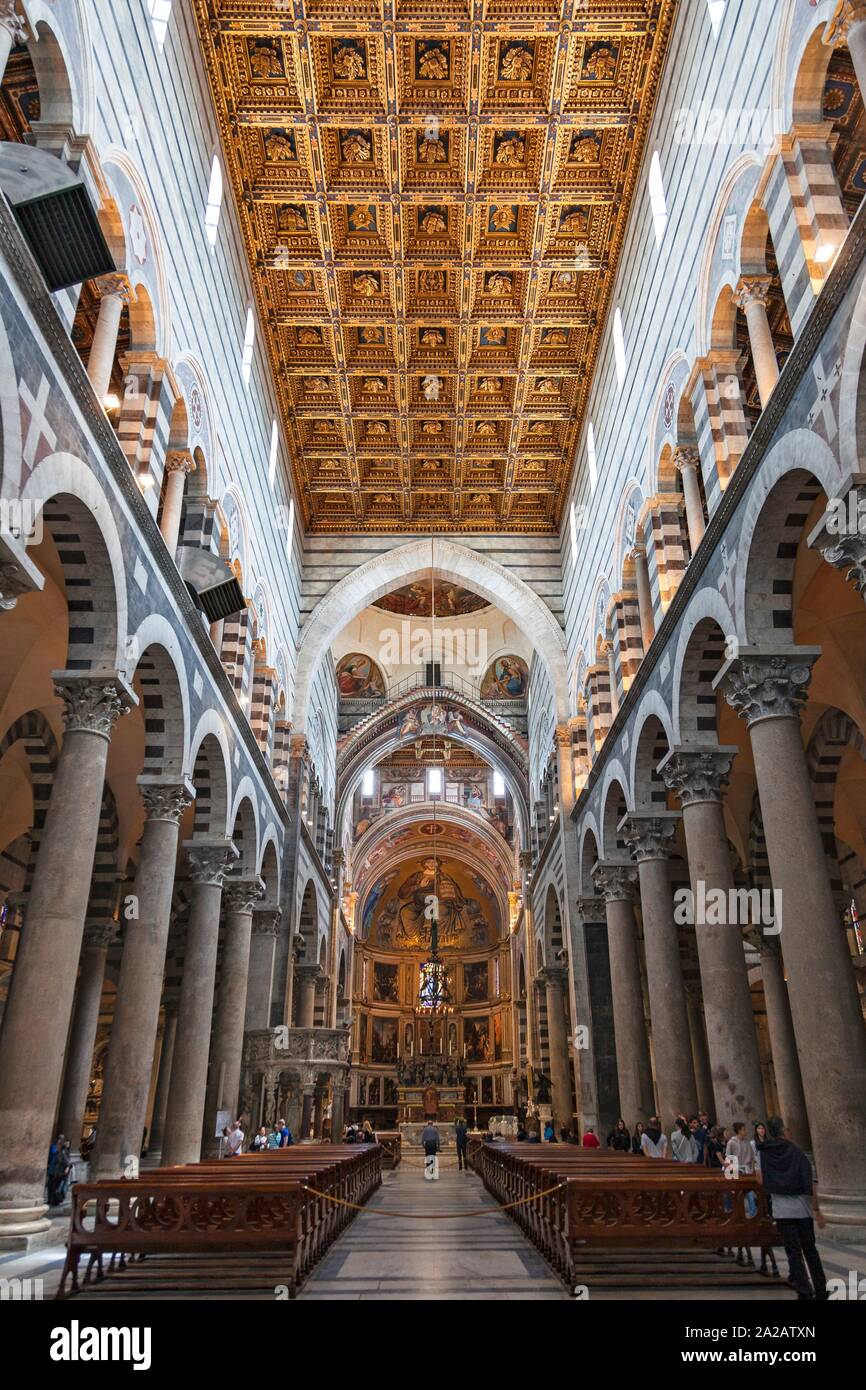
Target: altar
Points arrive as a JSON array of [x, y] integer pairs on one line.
[[442, 1104]]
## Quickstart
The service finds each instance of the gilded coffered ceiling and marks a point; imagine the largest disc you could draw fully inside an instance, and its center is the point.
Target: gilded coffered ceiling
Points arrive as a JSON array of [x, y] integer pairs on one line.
[[434, 197]]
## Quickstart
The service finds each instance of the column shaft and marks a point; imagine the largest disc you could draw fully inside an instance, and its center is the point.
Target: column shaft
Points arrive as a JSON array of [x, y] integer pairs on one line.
[[828, 1022], [139, 989], [172, 506], [34, 1035], [632, 1048], [700, 1054], [104, 345], [783, 1044], [85, 1020], [557, 1043], [644, 597], [738, 1087], [163, 1082], [675, 1076], [763, 349], [228, 1033]]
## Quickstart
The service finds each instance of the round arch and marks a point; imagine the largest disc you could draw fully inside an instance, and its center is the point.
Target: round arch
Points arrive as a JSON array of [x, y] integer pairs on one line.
[[407, 564]]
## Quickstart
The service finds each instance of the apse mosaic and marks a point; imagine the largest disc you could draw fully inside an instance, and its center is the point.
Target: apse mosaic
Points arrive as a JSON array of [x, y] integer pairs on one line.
[[397, 911], [462, 189]]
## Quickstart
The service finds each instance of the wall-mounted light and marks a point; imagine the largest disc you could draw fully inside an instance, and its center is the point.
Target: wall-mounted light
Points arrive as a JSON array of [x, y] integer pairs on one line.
[[145, 480], [111, 403]]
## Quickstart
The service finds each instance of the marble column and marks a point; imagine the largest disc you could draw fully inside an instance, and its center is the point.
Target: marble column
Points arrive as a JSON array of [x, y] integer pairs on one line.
[[36, 1021], [700, 1053], [616, 883], [769, 690], [783, 1044], [163, 1080], [848, 26], [644, 596], [123, 1108], [260, 982], [224, 1077], [697, 775], [687, 462], [179, 463], [116, 292], [556, 988], [338, 1111], [307, 977], [650, 839], [82, 1036], [751, 297], [209, 864], [14, 30]]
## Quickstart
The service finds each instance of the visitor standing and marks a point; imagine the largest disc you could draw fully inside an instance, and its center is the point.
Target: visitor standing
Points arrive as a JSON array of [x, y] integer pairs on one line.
[[654, 1144], [786, 1174], [461, 1136], [430, 1141], [684, 1146], [619, 1138]]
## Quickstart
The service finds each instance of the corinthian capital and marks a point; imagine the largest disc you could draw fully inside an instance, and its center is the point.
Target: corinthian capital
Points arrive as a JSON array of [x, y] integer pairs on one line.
[[165, 800], [241, 895], [649, 836], [116, 285], [685, 458], [768, 685], [697, 774], [14, 22], [846, 14], [752, 289], [266, 920], [93, 700], [179, 461], [210, 860], [615, 882]]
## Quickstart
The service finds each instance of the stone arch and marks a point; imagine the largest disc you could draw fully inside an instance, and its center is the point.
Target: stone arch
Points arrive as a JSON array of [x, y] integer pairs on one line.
[[792, 477], [627, 529], [723, 326], [578, 678], [269, 866], [700, 655], [54, 68], [807, 69], [144, 266], [652, 738], [615, 803], [79, 518], [237, 534], [554, 939], [211, 778], [245, 829], [405, 565], [164, 698], [835, 736], [598, 615], [711, 277], [308, 923], [589, 854]]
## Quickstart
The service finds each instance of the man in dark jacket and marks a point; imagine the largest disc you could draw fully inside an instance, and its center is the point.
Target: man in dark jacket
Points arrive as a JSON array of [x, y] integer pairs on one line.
[[461, 1135], [786, 1174], [430, 1141]]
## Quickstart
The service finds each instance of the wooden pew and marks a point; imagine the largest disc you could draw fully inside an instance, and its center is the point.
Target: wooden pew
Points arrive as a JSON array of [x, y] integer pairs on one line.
[[392, 1146], [255, 1205], [606, 1202]]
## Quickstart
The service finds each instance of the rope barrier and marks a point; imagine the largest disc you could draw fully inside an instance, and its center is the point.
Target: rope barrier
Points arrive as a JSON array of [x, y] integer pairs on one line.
[[433, 1216]]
